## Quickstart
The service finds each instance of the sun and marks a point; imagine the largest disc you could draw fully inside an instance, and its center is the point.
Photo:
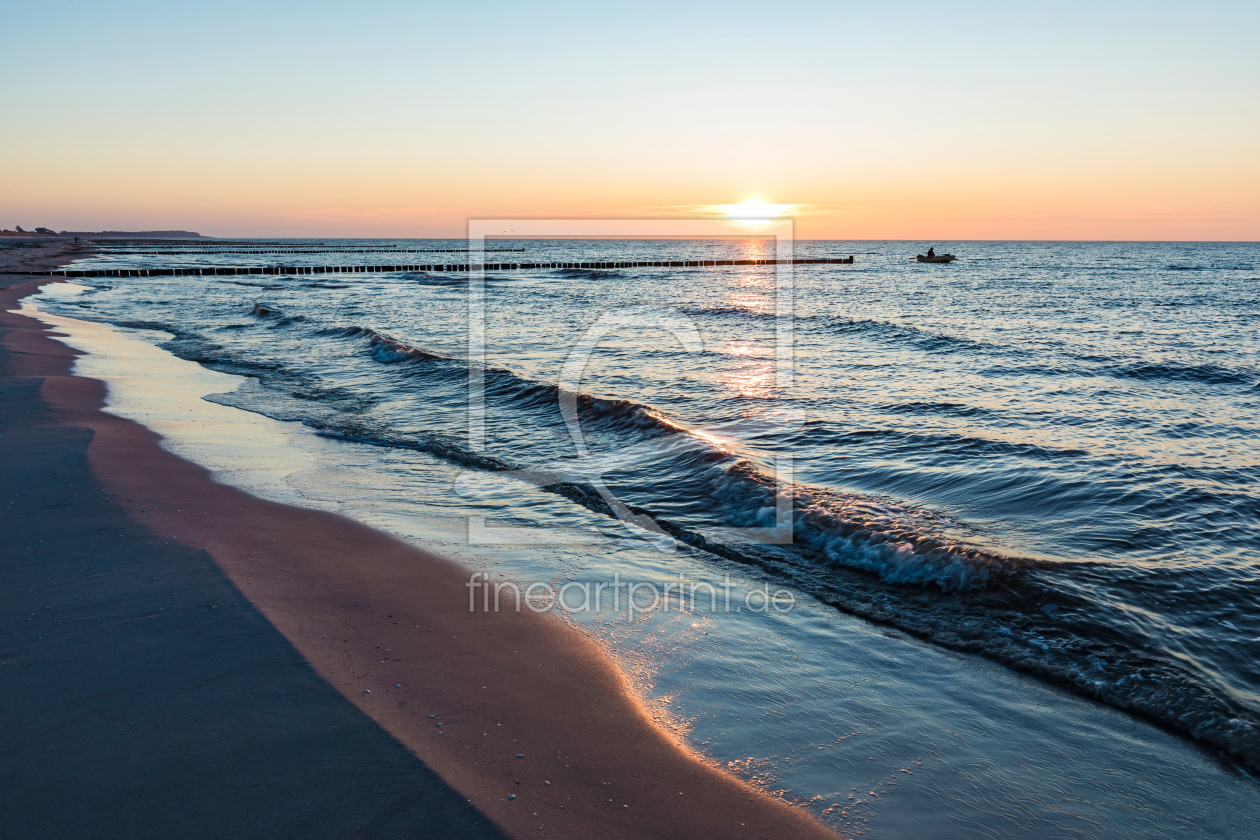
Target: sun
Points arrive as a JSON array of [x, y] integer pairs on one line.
[[754, 208]]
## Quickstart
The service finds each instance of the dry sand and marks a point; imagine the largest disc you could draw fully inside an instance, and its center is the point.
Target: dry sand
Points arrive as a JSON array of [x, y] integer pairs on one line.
[[183, 659]]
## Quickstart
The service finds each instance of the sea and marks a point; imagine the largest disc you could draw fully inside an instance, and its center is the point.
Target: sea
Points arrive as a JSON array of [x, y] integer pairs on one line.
[[984, 536]]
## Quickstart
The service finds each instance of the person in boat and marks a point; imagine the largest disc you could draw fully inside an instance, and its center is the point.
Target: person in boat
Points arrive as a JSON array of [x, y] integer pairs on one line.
[[932, 251]]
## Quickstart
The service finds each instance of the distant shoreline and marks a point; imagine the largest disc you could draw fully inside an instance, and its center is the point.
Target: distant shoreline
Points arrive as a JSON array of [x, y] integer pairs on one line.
[[107, 234]]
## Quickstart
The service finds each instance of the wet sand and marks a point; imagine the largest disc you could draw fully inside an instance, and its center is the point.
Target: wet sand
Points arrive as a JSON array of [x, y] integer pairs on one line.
[[181, 658]]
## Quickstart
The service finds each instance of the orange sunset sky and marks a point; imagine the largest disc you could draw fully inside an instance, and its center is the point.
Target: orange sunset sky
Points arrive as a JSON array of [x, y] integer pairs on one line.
[[1124, 121]]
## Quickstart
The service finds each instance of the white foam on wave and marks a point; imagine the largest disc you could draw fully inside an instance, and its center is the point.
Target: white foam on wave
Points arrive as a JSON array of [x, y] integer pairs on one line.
[[899, 544]]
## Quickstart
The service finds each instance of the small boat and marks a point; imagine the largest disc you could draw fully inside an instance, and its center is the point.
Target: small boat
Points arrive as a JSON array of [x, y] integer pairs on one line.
[[939, 258]]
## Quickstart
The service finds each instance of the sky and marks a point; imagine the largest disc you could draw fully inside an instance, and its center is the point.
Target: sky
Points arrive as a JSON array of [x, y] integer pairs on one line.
[[895, 120]]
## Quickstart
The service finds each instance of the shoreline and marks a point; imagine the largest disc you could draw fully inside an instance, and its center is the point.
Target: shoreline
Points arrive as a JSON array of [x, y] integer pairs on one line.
[[534, 686]]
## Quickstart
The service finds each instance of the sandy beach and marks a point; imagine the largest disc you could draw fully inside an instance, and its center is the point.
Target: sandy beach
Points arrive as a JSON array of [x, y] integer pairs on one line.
[[184, 659]]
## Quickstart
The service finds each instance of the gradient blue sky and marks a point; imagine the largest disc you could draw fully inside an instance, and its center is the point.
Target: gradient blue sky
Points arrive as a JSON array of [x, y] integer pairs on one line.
[[897, 120]]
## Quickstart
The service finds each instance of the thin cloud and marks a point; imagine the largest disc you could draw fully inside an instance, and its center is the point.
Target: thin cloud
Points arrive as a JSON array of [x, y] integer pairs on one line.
[[721, 211]]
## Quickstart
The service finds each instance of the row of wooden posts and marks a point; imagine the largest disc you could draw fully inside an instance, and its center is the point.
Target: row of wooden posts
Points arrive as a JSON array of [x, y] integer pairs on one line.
[[221, 270]]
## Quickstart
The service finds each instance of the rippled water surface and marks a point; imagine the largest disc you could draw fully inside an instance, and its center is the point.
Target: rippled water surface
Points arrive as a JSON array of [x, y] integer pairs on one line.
[[1045, 453]]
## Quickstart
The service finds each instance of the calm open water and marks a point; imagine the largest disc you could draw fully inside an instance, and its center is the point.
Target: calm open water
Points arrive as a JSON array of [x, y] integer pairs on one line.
[[1046, 453]]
